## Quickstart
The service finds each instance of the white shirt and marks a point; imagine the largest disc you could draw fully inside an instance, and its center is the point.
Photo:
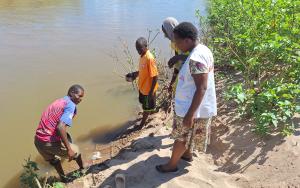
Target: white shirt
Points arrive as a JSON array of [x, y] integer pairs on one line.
[[199, 61]]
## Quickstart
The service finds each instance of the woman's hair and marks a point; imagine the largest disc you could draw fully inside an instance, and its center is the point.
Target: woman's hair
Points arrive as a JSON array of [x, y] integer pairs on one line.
[[168, 25], [186, 30]]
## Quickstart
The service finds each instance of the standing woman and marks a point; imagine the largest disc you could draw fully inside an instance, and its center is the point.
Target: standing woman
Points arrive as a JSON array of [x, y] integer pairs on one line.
[[195, 98]]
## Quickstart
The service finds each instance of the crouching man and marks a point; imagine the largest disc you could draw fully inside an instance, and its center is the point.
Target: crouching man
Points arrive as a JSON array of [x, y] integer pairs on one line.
[[51, 135]]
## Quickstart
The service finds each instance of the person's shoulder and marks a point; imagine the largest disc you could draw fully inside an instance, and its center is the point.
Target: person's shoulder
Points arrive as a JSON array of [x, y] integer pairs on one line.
[[201, 51], [69, 103], [201, 48], [56, 105], [58, 102], [150, 56]]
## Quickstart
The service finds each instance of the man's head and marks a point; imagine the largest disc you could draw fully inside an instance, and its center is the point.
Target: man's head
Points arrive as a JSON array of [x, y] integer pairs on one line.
[[186, 36], [141, 45], [168, 26], [76, 93]]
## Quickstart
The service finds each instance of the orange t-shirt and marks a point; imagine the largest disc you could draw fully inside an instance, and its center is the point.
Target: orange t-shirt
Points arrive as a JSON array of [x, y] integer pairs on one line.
[[147, 70]]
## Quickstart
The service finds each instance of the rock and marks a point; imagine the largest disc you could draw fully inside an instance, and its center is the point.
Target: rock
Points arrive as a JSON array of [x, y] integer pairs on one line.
[[151, 134], [128, 155], [142, 144]]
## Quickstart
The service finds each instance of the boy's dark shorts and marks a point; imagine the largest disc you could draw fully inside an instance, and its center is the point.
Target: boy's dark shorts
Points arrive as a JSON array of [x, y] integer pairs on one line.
[[148, 103]]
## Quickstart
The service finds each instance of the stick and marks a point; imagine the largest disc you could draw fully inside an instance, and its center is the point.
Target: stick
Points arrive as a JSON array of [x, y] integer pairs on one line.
[[37, 182]]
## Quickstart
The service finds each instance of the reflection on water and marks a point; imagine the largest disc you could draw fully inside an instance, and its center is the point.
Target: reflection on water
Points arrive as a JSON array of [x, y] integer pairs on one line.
[[45, 46]]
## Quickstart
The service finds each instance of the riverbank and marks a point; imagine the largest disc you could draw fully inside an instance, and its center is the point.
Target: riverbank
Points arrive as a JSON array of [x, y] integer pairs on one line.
[[236, 157]]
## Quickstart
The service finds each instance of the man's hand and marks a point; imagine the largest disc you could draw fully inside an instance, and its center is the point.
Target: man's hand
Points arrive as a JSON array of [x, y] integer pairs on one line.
[[188, 120], [71, 154], [131, 76], [128, 75], [172, 61]]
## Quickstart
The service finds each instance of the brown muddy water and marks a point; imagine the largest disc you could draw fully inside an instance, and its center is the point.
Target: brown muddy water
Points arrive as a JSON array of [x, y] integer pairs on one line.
[[47, 45]]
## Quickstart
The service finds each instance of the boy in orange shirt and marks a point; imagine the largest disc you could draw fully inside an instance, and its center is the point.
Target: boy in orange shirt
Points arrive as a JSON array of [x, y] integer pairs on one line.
[[147, 82]]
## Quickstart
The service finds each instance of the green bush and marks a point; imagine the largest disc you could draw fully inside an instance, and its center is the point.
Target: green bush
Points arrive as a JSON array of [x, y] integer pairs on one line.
[[30, 178], [260, 39]]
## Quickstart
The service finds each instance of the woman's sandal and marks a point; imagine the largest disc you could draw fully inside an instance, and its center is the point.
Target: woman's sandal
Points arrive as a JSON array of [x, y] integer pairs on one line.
[[160, 169]]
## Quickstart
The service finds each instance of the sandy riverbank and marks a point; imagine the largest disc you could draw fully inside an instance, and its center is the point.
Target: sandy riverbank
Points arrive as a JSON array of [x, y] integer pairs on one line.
[[236, 157]]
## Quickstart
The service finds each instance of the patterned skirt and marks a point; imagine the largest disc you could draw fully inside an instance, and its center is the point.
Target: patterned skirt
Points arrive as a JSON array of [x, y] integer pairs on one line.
[[196, 137]]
